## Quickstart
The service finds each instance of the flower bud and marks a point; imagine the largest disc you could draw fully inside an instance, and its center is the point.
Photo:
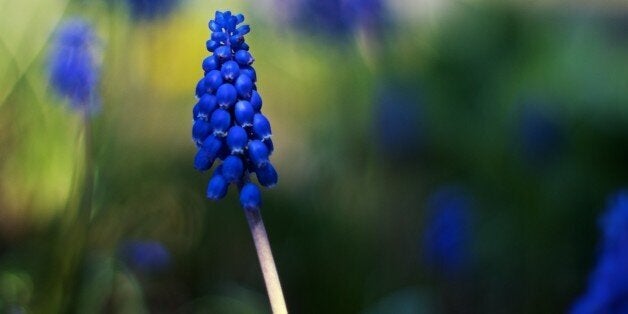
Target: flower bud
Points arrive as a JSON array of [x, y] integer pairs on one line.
[[237, 139], [200, 130], [220, 122], [250, 72], [244, 86], [217, 187], [250, 197], [256, 101], [261, 126], [244, 57], [258, 153], [213, 80], [223, 53], [226, 96], [232, 168], [230, 71], [243, 112], [266, 175], [207, 105]]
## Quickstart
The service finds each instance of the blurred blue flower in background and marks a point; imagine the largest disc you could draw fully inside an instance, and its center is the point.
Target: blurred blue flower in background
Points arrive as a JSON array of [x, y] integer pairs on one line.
[[145, 256], [151, 9], [74, 72], [447, 230], [608, 284], [539, 132], [335, 17], [398, 123]]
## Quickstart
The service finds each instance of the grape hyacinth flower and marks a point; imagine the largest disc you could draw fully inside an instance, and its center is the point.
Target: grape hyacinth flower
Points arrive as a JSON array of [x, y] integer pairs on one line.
[[74, 73], [228, 122], [229, 126], [447, 233], [608, 284]]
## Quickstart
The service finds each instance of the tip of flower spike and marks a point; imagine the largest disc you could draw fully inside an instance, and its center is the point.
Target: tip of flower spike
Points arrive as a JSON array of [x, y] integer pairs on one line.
[[226, 21]]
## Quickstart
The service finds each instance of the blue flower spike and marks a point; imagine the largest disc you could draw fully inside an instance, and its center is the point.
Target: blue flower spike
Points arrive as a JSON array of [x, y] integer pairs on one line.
[[229, 124]]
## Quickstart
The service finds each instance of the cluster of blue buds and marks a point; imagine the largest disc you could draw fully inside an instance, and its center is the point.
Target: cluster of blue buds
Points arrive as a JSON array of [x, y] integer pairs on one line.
[[228, 123]]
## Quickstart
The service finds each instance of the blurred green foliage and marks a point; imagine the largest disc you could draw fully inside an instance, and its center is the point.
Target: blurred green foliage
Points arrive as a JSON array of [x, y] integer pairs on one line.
[[345, 221]]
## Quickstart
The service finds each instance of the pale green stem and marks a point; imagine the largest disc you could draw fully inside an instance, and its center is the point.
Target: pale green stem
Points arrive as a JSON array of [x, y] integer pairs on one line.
[[88, 191], [267, 263]]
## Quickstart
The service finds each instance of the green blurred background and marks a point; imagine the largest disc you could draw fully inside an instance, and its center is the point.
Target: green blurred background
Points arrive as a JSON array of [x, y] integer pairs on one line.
[[522, 105]]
